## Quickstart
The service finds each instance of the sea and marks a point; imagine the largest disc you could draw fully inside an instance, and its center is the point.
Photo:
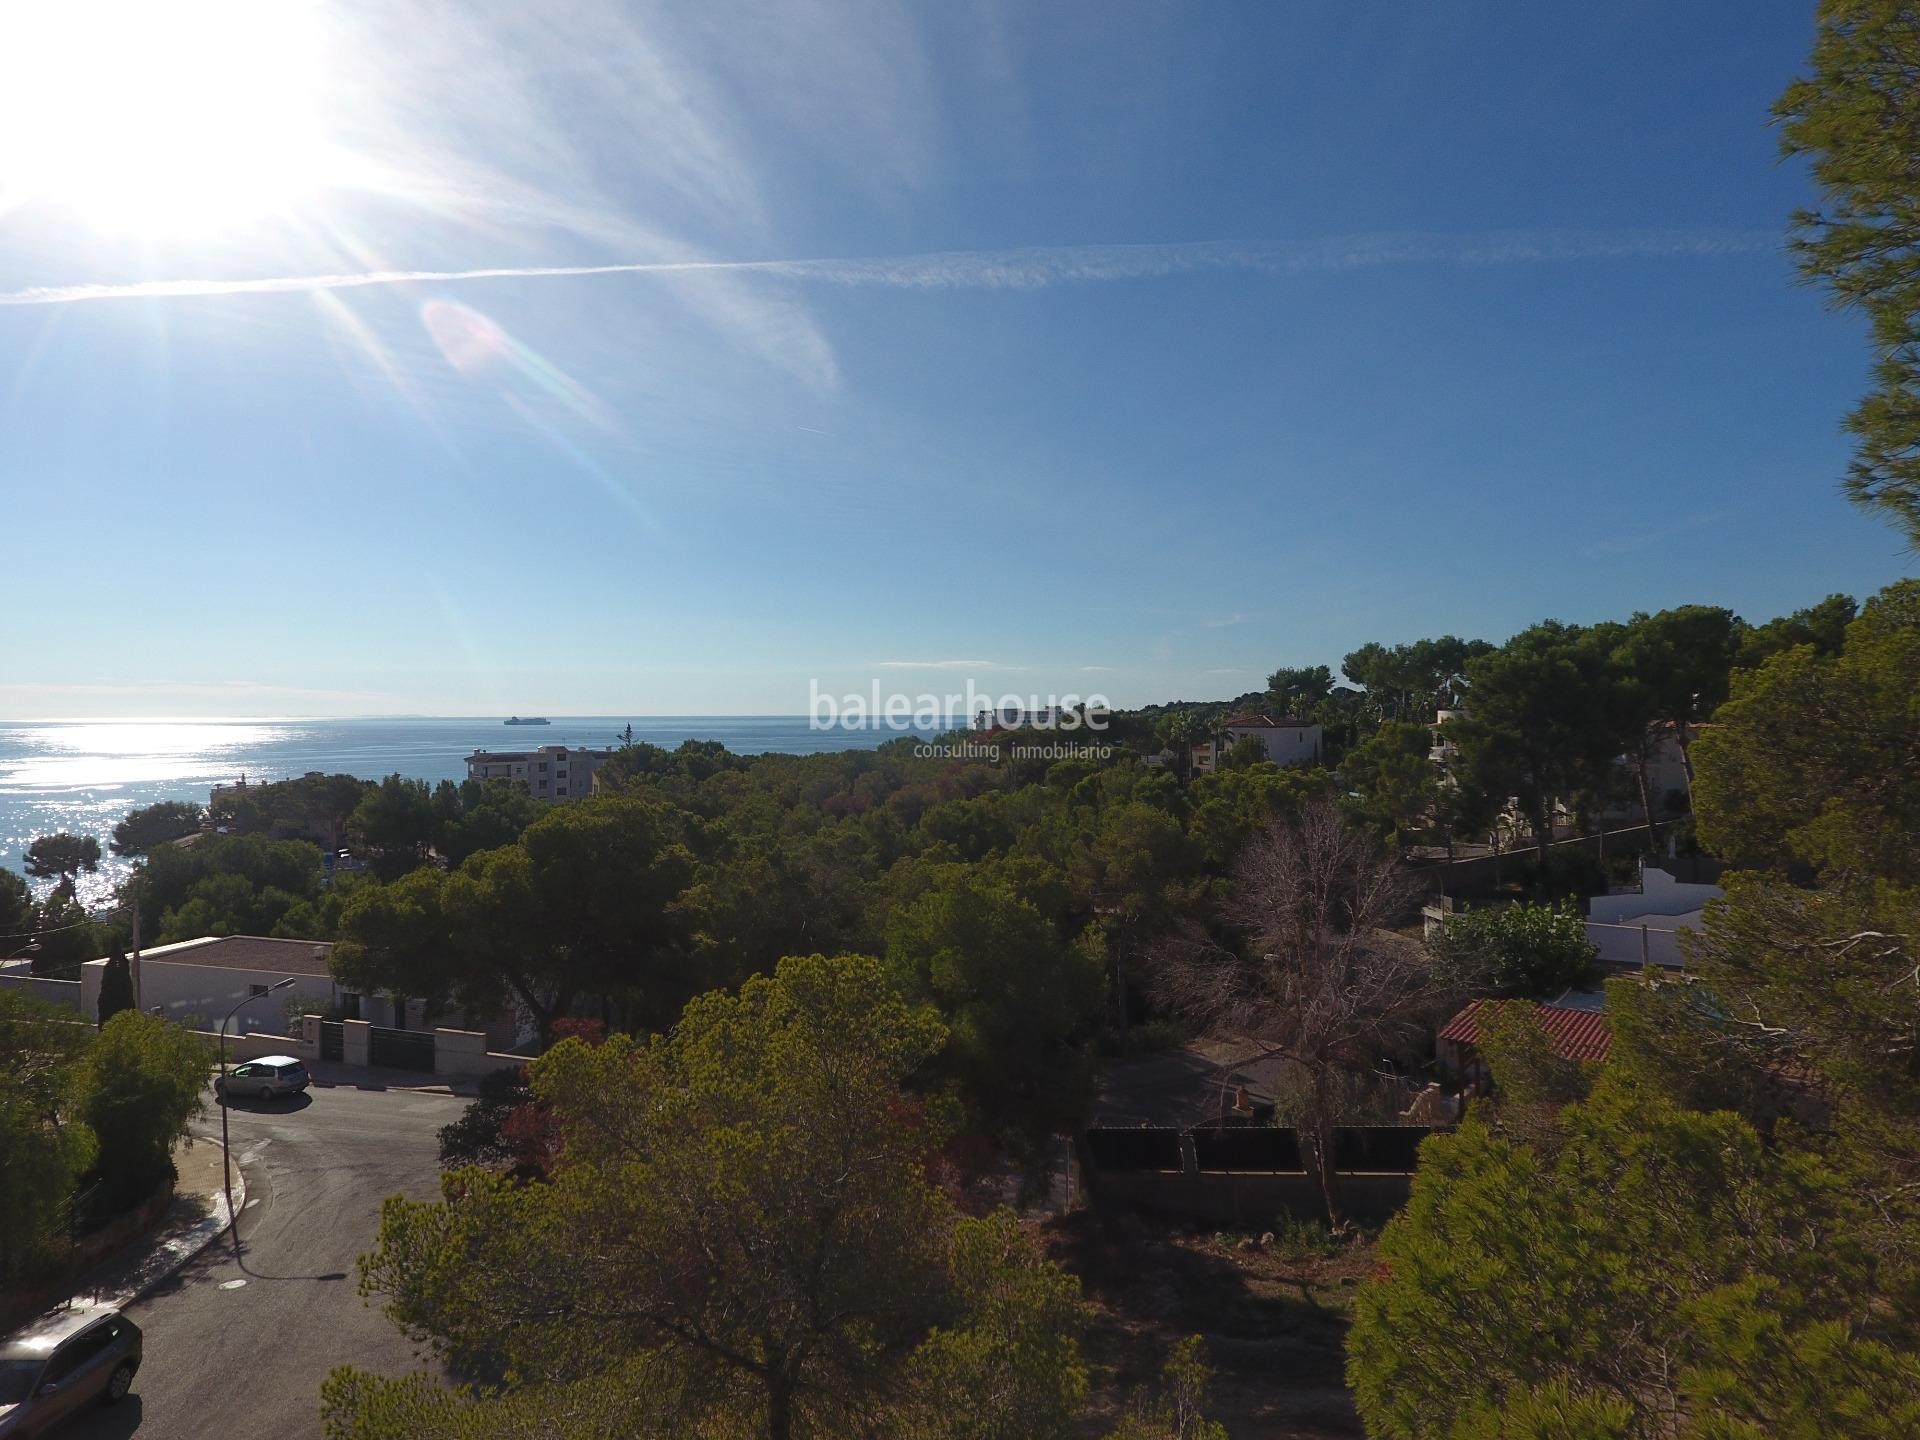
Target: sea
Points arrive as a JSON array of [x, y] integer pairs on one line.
[[84, 775]]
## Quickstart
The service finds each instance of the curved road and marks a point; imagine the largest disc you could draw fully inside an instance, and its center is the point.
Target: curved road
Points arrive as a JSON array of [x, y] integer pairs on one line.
[[238, 1345]]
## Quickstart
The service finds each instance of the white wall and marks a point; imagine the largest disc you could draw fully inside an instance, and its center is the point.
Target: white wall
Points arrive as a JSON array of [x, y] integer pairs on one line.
[[1286, 745], [1663, 907], [198, 995], [18, 975], [1659, 894]]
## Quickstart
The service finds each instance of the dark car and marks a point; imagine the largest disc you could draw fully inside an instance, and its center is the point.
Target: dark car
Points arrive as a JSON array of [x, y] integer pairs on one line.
[[64, 1364], [266, 1078]]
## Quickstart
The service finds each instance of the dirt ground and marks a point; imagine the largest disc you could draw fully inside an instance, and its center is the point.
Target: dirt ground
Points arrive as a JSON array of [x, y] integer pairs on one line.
[[1274, 1319]]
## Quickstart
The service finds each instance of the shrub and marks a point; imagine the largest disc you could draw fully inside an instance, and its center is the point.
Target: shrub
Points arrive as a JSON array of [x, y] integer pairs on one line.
[[1535, 951], [143, 1080]]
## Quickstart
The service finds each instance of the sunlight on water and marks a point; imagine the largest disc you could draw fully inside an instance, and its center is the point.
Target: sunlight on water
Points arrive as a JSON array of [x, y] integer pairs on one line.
[[125, 752], [85, 775]]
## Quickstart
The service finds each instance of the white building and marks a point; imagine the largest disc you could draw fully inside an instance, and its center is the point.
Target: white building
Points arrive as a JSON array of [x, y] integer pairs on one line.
[[1287, 742], [195, 982], [1013, 718], [552, 772], [1643, 927]]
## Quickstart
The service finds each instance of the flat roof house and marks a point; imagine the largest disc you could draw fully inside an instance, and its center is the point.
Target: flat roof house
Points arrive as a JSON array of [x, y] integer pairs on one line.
[[197, 981]]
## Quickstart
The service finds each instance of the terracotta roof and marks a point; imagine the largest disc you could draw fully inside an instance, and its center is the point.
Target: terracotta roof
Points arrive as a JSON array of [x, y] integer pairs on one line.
[[1577, 1034], [245, 952]]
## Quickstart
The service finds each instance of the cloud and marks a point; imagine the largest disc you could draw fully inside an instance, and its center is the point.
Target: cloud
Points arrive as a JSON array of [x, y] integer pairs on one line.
[[1018, 269], [1646, 537], [937, 665], [1227, 670], [1221, 622]]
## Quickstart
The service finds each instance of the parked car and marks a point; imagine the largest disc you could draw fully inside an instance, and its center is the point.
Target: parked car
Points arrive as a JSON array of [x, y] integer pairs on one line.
[[60, 1366], [266, 1078]]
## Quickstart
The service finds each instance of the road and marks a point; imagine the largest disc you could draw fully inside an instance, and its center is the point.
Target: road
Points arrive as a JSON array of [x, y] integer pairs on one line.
[[239, 1346]]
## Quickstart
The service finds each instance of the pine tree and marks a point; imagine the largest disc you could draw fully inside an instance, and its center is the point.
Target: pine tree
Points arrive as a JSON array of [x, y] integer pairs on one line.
[[116, 988]]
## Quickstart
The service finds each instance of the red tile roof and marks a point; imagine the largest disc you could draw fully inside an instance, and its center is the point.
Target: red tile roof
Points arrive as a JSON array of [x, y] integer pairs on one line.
[[1577, 1034]]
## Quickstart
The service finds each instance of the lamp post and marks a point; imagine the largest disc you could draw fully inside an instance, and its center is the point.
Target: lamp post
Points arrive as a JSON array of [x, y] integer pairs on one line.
[[226, 1152]]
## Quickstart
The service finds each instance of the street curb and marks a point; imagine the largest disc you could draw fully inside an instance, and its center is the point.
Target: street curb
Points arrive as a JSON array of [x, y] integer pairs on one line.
[[164, 1258], [179, 1249]]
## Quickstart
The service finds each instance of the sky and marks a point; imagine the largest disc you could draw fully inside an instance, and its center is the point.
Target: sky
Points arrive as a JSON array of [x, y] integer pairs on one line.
[[589, 358]]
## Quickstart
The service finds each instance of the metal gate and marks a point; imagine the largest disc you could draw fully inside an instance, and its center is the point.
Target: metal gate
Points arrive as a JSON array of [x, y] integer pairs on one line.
[[333, 1040], [402, 1049]]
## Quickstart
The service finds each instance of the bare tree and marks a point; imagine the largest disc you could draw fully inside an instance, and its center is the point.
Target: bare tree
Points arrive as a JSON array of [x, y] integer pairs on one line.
[[1313, 976]]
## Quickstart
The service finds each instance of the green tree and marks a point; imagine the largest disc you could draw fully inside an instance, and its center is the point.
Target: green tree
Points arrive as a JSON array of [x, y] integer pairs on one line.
[[227, 885], [1296, 690], [62, 856], [393, 826], [1523, 950], [44, 1145], [1814, 759], [16, 913], [1856, 116], [1019, 1003], [481, 815], [143, 1080], [116, 988], [1679, 664], [1399, 785], [742, 1212], [155, 824], [1539, 720], [1179, 1410], [1823, 626], [64, 937], [1659, 1273]]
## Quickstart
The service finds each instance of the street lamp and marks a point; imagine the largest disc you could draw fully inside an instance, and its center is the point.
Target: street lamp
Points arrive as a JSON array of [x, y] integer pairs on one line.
[[226, 1153]]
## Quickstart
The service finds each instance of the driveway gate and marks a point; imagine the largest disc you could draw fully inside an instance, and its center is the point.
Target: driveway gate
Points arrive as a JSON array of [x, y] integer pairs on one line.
[[402, 1049]]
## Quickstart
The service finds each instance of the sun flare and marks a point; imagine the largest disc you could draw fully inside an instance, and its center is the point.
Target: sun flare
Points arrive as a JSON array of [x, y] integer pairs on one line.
[[182, 118]]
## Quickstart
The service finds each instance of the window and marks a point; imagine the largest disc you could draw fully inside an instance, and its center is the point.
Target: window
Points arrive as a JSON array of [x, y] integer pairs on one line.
[[75, 1354], [253, 990]]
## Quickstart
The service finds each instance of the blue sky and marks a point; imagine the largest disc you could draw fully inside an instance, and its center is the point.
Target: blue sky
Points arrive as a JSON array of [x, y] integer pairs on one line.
[[1109, 347]]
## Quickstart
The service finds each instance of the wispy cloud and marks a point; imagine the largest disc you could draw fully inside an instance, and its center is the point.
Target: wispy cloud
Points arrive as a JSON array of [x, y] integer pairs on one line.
[[937, 665], [1019, 269], [1645, 537], [1222, 622]]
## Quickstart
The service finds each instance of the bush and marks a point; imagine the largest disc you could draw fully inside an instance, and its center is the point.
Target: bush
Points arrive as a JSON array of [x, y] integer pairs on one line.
[[143, 1080], [479, 1136], [1296, 1238], [1534, 951]]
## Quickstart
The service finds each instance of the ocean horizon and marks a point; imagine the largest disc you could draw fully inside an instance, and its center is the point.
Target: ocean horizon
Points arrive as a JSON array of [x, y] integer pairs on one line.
[[83, 775]]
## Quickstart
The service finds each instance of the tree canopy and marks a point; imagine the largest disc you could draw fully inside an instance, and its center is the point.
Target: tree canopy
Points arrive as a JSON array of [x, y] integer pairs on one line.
[[155, 824], [742, 1213], [1856, 116]]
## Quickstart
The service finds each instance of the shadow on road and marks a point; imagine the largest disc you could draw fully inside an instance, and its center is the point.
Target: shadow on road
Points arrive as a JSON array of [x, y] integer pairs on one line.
[[282, 1105], [107, 1422]]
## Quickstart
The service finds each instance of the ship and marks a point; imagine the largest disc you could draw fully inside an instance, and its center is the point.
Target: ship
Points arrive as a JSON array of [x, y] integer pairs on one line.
[[527, 720]]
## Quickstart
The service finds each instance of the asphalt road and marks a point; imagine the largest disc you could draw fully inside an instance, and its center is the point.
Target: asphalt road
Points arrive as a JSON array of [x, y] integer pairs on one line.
[[238, 1346]]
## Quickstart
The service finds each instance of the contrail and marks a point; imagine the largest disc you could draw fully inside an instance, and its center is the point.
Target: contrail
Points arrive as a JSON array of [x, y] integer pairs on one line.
[[1018, 269]]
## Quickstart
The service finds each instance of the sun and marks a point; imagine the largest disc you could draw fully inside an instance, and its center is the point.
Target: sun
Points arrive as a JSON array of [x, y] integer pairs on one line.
[[166, 117]]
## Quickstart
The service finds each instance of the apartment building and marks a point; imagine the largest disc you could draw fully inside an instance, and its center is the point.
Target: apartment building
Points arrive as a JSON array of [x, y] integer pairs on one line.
[[552, 772]]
